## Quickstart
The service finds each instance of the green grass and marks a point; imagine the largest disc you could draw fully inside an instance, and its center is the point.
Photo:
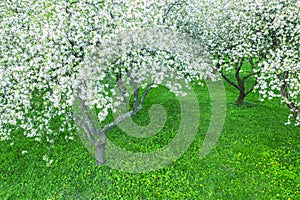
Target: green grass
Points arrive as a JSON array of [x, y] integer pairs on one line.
[[256, 157]]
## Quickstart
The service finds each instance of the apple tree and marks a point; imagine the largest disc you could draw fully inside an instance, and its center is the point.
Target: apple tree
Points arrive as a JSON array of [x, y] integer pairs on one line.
[[57, 54]]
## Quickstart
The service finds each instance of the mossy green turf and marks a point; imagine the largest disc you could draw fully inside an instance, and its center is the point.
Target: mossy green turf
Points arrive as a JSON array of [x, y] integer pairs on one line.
[[256, 157]]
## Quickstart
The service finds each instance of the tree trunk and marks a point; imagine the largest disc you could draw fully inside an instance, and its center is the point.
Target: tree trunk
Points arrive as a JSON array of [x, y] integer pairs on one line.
[[241, 86], [241, 98], [285, 94], [100, 150], [293, 109]]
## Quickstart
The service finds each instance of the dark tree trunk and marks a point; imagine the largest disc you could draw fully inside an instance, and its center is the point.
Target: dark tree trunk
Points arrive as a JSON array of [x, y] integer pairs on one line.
[[100, 150], [242, 95], [241, 98], [240, 85]]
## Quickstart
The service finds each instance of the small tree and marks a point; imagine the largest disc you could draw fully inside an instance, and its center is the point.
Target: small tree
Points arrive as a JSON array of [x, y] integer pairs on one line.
[[228, 31], [263, 34]]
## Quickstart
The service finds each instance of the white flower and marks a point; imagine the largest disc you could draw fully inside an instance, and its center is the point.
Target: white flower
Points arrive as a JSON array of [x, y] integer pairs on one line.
[[24, 152]]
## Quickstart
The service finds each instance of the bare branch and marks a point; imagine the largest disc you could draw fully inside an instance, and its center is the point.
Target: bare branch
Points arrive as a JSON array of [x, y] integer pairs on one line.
[[145, 94], [126, 115], [249, 75], [229, 81]]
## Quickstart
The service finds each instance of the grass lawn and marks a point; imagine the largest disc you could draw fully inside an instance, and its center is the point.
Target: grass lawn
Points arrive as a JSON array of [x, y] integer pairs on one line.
[[256, 157]]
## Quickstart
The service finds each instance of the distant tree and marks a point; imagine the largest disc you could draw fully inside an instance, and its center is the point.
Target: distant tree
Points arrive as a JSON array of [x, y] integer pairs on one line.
[[256, 39], [228, 31]]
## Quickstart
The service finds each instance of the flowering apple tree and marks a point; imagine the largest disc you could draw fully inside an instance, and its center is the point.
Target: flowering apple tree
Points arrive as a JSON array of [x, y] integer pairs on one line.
[[228, 30], [57, 54], [251, 39], [280, 75]]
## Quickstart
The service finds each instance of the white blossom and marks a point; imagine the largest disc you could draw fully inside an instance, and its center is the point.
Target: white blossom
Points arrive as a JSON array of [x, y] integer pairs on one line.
[[45, 45]]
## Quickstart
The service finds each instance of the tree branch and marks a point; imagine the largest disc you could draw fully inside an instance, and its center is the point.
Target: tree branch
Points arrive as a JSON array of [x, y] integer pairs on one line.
[[121, 87], [238, 69], [126, 115], [85, 128], [136, 98], [145, 94], [251, 89], [229, 81], [249, 75], [136, 90], [284, 93], [169, 9], [252, 70], [119, 120], [92, 129]]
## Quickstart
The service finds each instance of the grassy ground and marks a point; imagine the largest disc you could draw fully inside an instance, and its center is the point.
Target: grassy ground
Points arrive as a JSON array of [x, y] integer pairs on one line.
[[256, 157]]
